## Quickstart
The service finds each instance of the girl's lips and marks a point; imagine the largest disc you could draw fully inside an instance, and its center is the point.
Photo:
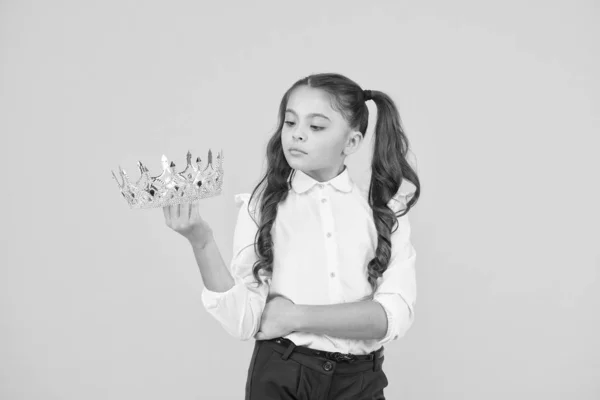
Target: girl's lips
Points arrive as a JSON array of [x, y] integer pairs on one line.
[[296, 152]]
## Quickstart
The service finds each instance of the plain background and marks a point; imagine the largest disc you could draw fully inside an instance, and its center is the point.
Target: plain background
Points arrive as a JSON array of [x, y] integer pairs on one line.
[[500, 101]]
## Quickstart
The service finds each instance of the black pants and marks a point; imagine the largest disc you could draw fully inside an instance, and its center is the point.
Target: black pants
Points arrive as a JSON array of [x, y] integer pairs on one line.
[[275, 373]]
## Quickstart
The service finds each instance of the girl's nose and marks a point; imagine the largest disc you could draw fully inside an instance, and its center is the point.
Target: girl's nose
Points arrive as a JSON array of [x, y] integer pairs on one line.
[[297, 135]]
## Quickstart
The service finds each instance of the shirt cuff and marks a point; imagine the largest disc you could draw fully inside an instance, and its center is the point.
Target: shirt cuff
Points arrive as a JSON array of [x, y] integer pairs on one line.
[[399, 316], [211, 299]]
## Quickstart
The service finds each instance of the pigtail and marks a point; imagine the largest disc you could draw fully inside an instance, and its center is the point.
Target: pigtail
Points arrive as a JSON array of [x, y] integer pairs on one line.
[[389, 168]]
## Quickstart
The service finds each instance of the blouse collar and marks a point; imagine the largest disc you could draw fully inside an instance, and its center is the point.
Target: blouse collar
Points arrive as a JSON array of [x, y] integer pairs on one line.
[[302, 182]]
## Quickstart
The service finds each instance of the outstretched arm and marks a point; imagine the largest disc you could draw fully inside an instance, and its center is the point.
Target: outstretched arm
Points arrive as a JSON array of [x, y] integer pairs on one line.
[[215, 275], [234, 299]]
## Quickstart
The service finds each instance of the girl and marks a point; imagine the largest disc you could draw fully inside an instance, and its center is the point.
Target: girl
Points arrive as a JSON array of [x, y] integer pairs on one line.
[[323, 272]]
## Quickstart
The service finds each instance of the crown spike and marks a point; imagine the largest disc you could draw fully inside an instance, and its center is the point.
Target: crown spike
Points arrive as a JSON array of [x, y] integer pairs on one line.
[[143, 167], [117, 180], [190, 170], [144, 182], [124, 176]]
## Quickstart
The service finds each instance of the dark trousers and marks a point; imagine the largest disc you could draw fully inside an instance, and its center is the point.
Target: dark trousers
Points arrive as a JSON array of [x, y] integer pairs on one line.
[[277, 372]]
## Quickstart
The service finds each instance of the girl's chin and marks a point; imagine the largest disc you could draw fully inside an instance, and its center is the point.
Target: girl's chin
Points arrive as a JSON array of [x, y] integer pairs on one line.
[[294, 160]]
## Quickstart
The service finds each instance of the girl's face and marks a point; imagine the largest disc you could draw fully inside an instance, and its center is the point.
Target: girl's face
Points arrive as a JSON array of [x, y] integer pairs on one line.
[[312, 126]]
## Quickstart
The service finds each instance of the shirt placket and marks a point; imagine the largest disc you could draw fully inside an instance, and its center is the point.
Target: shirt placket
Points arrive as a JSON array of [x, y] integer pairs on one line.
[[330, 242]]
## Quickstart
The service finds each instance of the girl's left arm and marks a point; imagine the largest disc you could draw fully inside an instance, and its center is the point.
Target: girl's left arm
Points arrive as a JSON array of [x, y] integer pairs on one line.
[[359, 320], [385, 318]]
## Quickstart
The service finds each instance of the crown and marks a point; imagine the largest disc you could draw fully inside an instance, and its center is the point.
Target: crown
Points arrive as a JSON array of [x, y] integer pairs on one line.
[[172, 187]]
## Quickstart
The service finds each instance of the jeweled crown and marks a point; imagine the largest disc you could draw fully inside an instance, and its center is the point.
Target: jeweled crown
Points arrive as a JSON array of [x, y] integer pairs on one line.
[[171, 187]]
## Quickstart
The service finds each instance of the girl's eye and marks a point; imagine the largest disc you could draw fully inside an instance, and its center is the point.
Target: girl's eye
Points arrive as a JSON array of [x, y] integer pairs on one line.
[[318, 128]]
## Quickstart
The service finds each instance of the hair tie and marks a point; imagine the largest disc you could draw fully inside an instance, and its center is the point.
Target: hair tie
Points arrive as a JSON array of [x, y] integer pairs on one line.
[[368, 95]]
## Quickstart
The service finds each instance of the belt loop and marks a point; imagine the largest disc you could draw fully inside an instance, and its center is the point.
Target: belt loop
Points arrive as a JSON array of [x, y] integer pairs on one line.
[[288, 351], [377, 364], [378, 360]]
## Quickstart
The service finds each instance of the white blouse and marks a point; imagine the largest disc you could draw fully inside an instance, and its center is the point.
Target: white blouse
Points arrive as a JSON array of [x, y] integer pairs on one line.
[[324, 237]]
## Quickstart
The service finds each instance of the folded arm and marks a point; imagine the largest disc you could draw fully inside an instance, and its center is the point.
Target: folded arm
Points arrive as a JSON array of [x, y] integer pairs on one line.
[[385, 318]]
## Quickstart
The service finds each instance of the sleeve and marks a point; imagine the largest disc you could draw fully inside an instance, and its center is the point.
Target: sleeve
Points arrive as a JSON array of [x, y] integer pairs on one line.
[[397, 290], [240, 308]]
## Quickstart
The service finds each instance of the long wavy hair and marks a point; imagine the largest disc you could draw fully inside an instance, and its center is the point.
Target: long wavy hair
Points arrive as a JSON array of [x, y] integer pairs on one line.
[[389, 167]]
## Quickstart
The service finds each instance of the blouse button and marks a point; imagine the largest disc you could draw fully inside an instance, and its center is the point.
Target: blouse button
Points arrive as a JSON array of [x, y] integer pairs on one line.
[[321, 186], [332, 274], [328, 234], [323, 200]]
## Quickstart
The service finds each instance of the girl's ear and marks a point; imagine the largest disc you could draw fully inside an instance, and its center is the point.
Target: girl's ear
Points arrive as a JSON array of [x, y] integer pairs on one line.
[[353, 142]]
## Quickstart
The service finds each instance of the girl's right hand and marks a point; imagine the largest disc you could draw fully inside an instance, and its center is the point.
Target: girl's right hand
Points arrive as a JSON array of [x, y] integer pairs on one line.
[[185, 219]]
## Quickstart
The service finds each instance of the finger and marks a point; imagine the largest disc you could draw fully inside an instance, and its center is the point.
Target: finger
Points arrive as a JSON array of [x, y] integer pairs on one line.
[[188, 212], [167, 214], [178, 212], [195, 211], [190, 209], [182, 212]]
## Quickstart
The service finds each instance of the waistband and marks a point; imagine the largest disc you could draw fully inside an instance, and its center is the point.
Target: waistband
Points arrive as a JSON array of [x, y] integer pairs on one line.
[[333, 360]]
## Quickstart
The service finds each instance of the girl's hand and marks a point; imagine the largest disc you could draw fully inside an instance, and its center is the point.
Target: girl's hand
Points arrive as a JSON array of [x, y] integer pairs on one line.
[[185, 219], [275, 320]]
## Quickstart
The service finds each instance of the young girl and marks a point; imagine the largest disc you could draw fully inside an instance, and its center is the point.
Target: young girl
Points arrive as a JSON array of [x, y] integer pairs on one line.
[[323, 273]]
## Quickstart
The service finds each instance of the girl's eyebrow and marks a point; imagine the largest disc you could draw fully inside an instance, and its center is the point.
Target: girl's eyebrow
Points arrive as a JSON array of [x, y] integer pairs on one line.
[[310, 115]]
